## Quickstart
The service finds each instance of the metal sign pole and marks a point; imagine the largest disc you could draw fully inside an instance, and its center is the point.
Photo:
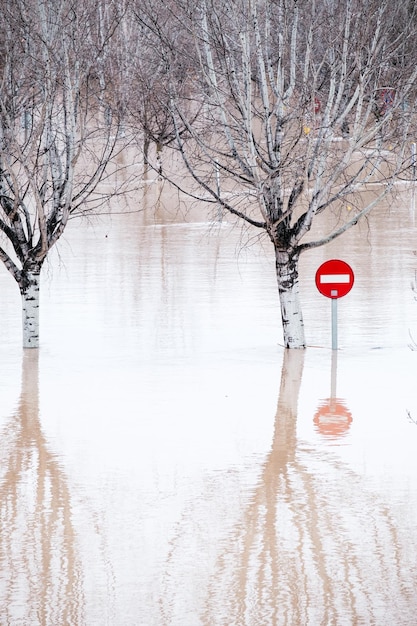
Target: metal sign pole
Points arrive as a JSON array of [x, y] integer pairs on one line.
[[334, 320]]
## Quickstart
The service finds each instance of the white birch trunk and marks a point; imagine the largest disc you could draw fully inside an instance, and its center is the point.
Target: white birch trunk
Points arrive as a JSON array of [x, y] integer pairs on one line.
[[289, 296], [30, 310]]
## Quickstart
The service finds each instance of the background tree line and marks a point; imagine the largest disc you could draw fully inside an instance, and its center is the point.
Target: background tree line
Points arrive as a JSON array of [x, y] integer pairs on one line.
[[275, 111]]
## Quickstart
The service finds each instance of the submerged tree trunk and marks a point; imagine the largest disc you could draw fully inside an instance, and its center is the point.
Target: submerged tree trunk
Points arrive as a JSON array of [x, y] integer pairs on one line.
[[29, 289], [289, 296]]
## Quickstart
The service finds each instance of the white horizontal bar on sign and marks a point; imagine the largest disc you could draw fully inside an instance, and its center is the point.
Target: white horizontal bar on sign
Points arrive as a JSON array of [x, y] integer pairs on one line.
[[335, 278]]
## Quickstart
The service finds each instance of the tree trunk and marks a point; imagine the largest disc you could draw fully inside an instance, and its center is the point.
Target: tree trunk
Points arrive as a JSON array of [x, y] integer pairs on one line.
[[289, 296], [29, 289], [146, 146]]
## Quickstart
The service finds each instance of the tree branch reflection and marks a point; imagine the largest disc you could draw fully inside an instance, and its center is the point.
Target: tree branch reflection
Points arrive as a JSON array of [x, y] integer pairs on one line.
[[41, 580], [315, 545]]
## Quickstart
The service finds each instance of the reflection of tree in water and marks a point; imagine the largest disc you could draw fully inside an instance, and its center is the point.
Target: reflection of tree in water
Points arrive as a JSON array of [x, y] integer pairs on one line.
[[40, 580], [314, 546]]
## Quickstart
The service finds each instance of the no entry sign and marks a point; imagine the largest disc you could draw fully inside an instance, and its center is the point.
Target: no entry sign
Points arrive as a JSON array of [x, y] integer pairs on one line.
[[334, 278]]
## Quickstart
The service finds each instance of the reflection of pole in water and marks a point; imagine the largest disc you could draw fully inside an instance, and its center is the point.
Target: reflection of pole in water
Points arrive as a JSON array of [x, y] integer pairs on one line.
[[40, 571], [333, 376]]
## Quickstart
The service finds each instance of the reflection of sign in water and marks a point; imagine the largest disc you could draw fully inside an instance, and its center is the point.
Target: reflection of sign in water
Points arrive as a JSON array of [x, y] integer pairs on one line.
[[332, 418]]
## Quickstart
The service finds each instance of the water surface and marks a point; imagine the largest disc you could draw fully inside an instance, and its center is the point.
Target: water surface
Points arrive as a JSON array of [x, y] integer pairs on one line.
[[165, 462]]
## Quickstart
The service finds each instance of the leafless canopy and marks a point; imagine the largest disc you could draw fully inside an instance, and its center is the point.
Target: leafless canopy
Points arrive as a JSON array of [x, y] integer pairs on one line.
[[58, 123], [301, 105]]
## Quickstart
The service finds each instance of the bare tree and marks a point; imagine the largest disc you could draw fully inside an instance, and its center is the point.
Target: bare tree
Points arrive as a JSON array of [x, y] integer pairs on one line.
[[303, 106], [56, 145], [152, 70]]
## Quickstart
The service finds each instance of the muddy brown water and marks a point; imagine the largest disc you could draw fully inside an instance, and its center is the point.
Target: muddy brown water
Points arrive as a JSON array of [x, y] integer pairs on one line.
[[164, 462]]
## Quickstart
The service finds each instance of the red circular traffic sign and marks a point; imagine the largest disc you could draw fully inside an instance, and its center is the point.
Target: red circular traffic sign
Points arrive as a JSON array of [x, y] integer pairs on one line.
[[334, 278]]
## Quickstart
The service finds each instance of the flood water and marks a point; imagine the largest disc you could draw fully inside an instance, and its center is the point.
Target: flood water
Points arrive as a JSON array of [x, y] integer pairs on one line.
[[165, 462]]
